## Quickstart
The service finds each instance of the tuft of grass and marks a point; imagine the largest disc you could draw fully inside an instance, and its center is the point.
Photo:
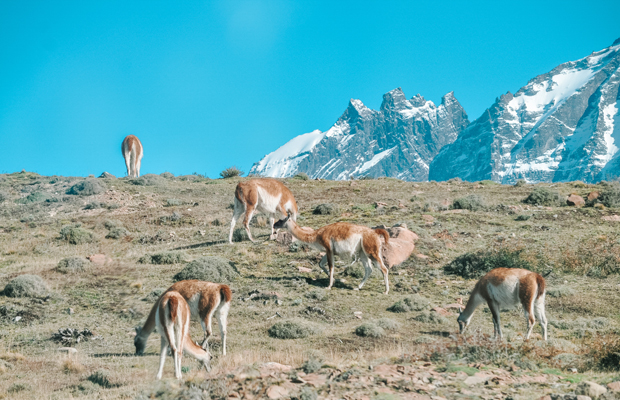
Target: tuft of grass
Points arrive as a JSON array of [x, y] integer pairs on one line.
[[370, 329], [87, 187], [471, 203], [101, 377], [18, 387], [316, 294], [3, 197], [166, 257], [354, 271], [72, 265], [117, 233], [26, 286], [302, 176], [34, 197], [411, 303], [72, 366], [75, 234], [307, 393], [209, 268], [542, 196], [291, 330], [560, 291], [523, 217], [231, 172], [167, 175], [240, 235], [93, 205], [311, 366], [474, 265], [173, 203], [520, 183], [325, 209], [388, 324], [430, 317], [154, 295], [149, 180]]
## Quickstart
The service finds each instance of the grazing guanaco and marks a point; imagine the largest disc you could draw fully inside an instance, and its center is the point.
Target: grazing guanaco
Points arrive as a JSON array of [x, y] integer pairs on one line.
[[265, 195], [343, 239], [172, 320], [132, 151], [506, 288], [205, 299]]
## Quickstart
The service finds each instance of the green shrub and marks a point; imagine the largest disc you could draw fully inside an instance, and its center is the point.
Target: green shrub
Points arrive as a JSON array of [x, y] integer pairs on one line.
[[101, 378], [75, 234], [369, 330], [523, 217], [325, 209], [33, 197], [388, 324], [411, 303], [610, 196], [474, 265], [94, 205], [316, 294], [430, 317], [355, 271], [302, 175], [520, 183], [112, 223], [26, 286], [291, 330], [167, 175], [18, 387], [3, 197], [209, 268], [149, 180], [542, 196], [166, 257], [231, 172], [307, 393], [117, 233], [240, 235], [311, 366], [72, 265], [87, 187], [560, 291], [471, 203], [154, 295]]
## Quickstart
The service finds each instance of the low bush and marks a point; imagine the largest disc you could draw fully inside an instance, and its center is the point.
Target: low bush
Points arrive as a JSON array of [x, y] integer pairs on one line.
[[474, 265], [311, 366], [87, 187], [471, 203], [542, 196], [72, 265], [149, 180], [355, 271], [411, 303], [173, 202], [240, 235], [302, 176], [94, 205], [231, 172], [75, 234], [325, 209], [291, 330], [26, 286], [167, 175], [430, 318], [317, 294], [209, 268], [101, 377], [154, 295], [560, 291], [388, 324], [166, 257], [3, 197], [610, 196], [112, 223], [523, 217], [520, 183], [298, 246], [370, 329], [34, 197]]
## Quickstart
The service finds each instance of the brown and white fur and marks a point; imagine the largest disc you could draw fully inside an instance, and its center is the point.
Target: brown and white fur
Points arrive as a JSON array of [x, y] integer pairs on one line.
[[172, 321], [343, 239], [505, 288], [132, 151], [205, 299], [265, 195]]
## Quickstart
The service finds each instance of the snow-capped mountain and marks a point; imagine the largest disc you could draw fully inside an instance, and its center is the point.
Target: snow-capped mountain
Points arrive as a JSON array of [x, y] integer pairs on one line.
[[563, 125], [399, 140]]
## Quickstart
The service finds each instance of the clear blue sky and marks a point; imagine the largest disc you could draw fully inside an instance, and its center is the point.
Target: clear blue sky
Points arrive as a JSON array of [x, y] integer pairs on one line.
[[210, 84]]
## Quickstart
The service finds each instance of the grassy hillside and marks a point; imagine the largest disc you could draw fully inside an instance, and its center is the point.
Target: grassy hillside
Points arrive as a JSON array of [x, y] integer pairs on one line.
[[44, 220]]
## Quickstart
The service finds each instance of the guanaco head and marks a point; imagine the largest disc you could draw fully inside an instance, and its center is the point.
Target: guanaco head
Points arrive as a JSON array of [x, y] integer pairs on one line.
[[139, 342], [463, 322], [282, 223]]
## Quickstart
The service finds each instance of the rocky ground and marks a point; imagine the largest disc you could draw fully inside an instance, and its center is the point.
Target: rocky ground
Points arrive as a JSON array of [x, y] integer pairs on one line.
[[99, 251]]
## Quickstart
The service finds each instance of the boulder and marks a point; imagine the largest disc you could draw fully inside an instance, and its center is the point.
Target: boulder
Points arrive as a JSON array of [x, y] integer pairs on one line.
[[399, 247], [99, 259], [575, 200], [614, 386], [593, 196], [591, 389], [284, 237]]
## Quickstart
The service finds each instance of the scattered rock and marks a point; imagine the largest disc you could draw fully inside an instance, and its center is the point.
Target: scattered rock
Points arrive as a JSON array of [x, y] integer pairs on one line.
[[276, 392], [284, 237], [99, 259], [304, 269], [442, 311], [591, 389], [575, 200], [477, 379], [68, 350], [614, 386], [422, 256], [593, 195], [611, 218]]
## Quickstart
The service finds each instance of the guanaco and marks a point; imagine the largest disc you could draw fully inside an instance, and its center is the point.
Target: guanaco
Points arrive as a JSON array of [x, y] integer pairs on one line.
[[266, 195], [172, 320], [343, 239], [505, 288], [132, 152], [205, 299]]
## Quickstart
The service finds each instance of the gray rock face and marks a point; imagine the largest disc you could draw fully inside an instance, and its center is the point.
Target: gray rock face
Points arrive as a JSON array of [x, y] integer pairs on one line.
[[399, 140], [561, 126]]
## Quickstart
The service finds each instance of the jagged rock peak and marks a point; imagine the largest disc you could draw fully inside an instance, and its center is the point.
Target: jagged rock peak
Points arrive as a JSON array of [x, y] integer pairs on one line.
[[418, 100], [617, 41], [357, 107], [395, 100]]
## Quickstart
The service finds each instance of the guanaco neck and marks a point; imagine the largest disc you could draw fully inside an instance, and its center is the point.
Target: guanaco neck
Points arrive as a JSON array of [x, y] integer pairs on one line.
[[475, 299], [306, 234], [149, 325]]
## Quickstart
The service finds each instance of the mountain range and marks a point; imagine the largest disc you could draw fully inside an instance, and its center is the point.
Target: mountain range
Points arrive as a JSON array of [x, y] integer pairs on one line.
[[561, 126]]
